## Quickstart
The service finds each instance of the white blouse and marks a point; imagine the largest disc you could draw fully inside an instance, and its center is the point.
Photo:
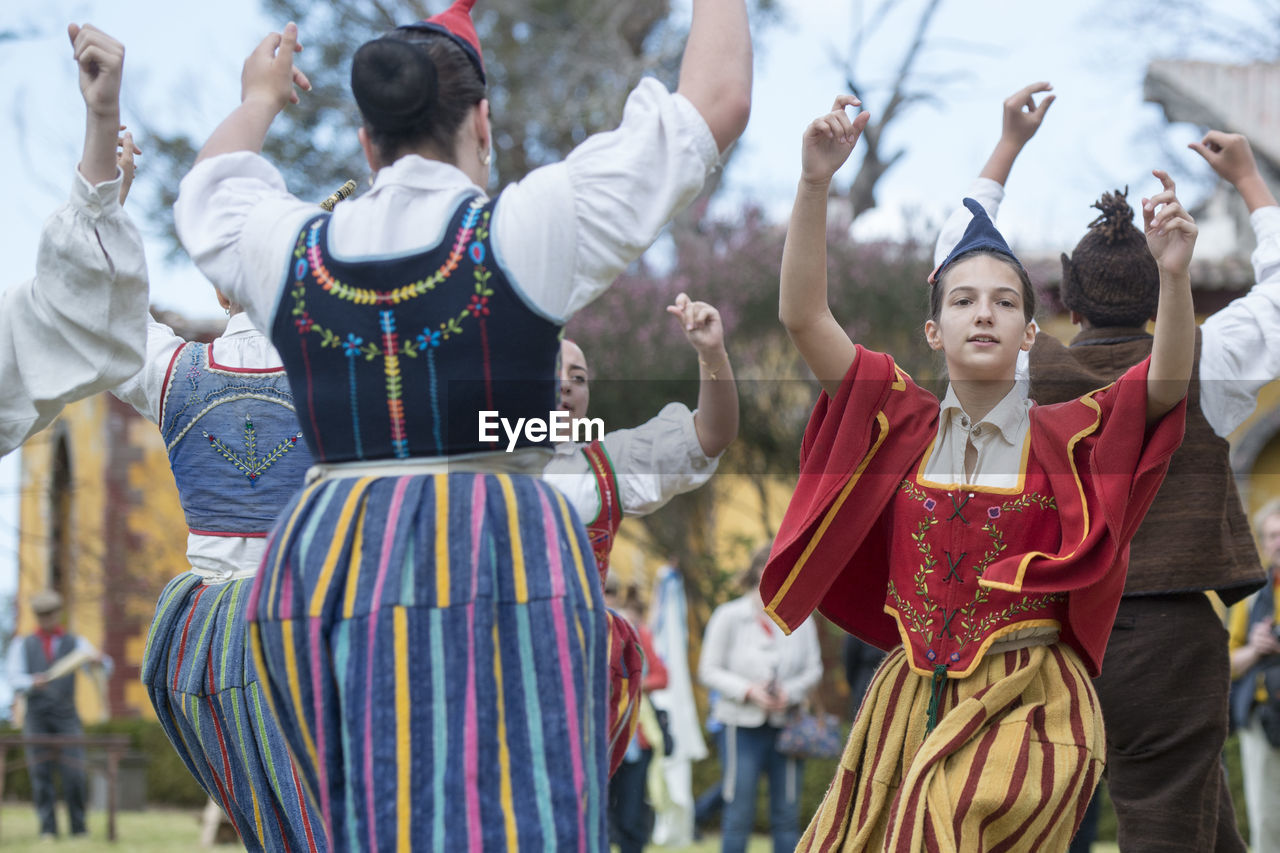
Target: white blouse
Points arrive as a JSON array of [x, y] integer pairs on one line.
[[1000, 439], [562, 234], [77, 327], [653, 462]]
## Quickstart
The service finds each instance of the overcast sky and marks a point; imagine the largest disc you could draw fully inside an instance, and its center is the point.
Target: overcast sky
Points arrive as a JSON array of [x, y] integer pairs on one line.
[[183, 65]]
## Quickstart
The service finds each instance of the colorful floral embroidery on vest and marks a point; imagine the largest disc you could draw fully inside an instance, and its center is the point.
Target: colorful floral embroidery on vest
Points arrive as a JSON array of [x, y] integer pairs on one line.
[[469, 242], [969, 620], [249, 463]]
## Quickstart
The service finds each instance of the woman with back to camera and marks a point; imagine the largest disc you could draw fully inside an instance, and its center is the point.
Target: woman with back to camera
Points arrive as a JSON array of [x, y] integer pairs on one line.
[[427, 614]]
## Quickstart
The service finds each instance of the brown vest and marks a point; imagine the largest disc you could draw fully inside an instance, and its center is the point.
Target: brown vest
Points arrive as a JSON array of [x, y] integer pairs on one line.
[[1195, 536]]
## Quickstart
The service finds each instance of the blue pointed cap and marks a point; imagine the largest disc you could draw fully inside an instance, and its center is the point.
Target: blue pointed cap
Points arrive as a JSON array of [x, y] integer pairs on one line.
[[981, 234]]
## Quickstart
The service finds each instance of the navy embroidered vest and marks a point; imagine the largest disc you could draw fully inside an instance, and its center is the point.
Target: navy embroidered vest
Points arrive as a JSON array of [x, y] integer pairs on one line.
[[391, 358], [233, 441]]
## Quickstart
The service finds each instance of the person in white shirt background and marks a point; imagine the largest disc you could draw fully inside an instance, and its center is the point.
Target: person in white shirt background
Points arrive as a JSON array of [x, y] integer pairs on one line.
[[761, 676]]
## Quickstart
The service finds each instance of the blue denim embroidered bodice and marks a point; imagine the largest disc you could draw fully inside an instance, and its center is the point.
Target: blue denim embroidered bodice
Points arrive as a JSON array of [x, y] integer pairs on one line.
[[395, 357], [233, 441]]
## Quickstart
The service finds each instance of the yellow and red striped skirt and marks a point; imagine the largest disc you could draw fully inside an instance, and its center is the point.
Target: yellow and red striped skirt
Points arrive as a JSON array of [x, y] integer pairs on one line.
[[1016, 753]]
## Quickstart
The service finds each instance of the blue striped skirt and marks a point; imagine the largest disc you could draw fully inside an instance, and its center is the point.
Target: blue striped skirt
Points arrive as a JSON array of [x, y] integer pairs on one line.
[[204, 685], [436, 652]]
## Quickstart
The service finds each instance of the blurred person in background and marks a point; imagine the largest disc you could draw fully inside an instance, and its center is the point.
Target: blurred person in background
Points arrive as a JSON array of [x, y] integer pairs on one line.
[[762, 675]]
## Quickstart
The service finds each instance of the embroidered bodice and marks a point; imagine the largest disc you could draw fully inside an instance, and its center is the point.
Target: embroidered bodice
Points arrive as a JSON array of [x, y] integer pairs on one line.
[[395, 357], [604, 527], [233, 442], [941, 539]]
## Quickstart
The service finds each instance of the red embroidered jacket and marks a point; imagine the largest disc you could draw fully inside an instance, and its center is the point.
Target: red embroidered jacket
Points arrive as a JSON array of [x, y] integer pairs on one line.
[[846, 543]]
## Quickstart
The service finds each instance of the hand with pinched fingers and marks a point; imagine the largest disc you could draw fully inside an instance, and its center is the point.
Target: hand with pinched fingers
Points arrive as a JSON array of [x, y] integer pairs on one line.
[[829, 140], [701, 323], [1022, 115], [269, 75], [101, 62], [126, 150], [1228, 153], [1171, 232]]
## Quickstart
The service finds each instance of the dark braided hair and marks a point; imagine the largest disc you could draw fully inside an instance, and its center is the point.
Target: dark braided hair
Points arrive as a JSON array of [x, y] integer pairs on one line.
[[414, 89], [1111, 279]]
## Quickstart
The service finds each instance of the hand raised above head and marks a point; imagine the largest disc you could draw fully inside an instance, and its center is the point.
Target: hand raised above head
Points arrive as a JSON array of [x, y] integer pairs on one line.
[[1171, 232], [1022, 115], [269, 75], [101, 62], [701, 323], [829, 139], [1229, 154]]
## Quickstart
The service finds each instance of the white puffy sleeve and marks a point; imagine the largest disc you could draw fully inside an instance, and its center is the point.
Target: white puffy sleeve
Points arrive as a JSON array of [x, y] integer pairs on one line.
[[77, 327]]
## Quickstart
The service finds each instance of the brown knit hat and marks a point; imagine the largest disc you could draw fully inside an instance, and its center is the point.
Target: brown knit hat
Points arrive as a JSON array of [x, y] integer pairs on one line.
[[1111, 277]]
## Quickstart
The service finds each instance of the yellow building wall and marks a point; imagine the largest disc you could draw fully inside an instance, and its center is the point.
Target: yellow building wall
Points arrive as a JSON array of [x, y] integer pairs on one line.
[[83, 588], [158, 533], [154, 537]]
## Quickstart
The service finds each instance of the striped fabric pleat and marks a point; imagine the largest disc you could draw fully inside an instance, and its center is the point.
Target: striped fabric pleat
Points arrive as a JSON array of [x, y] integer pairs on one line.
[[1011, 765], [626, 672], [199, 672], [437, 654]]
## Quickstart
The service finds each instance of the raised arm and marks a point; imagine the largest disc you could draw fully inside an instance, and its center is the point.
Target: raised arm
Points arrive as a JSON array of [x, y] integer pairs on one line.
[[716, 420], [802, 301], [715, 74], [266, 85], [1240, 344], [1171, 236], [77, 327], [1021, 118]]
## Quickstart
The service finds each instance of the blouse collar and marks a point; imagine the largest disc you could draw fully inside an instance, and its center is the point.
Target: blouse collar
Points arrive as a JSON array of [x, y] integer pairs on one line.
[[1009, 416]]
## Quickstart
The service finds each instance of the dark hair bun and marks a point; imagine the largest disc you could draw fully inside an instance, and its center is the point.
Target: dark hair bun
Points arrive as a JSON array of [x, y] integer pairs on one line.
[[1116, 221], [395, 84]]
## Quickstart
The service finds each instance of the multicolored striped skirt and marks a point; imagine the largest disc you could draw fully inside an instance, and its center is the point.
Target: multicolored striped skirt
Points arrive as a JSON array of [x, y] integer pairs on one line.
[[205, 689], [1017, 751], [436, 651]]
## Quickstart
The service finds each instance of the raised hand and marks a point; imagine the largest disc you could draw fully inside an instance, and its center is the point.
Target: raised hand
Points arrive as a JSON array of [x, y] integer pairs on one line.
[[1171, 232], [1228, 153], [829, 139], [269, 75], [701, 324], [1231, 157], [126, 150], [101, 62], [1022, 115]]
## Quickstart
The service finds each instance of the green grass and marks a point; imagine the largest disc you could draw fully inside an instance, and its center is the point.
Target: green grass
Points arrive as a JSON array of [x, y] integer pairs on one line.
[[155, 830], [168, 830]]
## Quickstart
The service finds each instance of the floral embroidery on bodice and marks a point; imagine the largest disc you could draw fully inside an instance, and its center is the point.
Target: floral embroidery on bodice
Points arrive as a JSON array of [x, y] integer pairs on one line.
[[941, 541]]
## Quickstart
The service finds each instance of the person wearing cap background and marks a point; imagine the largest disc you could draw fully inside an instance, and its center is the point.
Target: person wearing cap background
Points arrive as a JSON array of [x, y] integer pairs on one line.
[[427, 618], [981, 541], [51, 709], [1164, 687]]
